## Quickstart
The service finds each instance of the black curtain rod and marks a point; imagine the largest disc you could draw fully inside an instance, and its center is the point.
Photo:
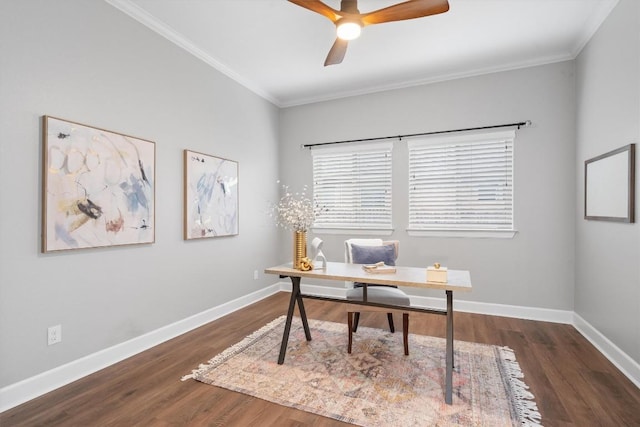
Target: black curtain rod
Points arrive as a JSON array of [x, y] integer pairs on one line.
[[519, 125]]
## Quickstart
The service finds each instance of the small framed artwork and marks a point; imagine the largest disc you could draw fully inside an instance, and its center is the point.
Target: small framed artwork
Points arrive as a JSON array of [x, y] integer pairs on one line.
[[210, 196], [98, 187], [609, 186]]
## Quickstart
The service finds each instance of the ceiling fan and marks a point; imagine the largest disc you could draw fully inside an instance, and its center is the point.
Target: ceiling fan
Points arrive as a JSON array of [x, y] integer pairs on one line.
[[349, 21]]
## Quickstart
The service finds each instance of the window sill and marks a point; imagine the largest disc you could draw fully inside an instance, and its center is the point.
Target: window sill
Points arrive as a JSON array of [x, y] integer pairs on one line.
[[474, 234], [354, 231]]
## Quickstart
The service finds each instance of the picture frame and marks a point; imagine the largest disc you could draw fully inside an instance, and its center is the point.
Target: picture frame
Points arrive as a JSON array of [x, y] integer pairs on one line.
[[609, 186], [98, 187], [210, 196]]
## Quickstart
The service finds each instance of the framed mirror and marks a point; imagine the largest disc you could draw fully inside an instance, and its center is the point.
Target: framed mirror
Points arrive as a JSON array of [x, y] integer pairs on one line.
[[609, 186]]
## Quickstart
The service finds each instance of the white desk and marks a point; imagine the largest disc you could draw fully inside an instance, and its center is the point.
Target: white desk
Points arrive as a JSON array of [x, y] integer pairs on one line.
[[458, 280]]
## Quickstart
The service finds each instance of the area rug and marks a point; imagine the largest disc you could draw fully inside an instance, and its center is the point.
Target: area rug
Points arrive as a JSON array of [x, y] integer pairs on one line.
[[375, 385]]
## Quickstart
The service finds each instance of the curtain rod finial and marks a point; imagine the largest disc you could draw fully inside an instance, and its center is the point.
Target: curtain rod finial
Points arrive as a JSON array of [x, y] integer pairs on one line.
[[524, 124]]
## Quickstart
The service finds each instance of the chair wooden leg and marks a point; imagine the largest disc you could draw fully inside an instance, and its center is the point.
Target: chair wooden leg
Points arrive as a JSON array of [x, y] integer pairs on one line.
[[350, 323], [405, 332], [392, 328], [356, 320]]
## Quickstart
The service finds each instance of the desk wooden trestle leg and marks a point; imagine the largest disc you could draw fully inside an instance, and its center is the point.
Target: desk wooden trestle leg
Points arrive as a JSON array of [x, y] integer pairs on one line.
[[296, 296]]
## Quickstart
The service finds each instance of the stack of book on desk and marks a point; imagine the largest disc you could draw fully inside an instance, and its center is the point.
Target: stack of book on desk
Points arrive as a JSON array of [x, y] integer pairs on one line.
[[378, 268]]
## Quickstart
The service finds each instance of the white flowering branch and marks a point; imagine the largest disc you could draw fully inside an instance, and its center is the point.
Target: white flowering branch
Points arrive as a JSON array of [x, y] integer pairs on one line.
[[294, 211]]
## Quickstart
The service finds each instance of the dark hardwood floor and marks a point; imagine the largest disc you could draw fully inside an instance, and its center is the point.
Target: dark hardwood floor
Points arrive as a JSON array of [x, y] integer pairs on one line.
[[573, 383]]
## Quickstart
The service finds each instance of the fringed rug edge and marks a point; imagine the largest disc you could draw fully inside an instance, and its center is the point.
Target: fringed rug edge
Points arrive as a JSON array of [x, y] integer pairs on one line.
[[523, 401], [237, 348]]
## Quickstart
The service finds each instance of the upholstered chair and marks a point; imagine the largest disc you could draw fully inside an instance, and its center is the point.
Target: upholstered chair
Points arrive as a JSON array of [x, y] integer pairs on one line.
[[371, 251]]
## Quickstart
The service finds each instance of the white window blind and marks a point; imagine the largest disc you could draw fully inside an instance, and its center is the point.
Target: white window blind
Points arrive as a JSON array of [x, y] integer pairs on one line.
[[352, 186], [462, 182]]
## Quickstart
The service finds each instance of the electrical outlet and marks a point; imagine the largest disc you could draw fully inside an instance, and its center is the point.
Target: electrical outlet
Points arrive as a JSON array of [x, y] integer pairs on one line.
[[54, 334], [255, 274]]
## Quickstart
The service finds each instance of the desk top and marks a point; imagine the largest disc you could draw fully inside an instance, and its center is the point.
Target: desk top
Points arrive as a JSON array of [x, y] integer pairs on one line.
[[459, 280]]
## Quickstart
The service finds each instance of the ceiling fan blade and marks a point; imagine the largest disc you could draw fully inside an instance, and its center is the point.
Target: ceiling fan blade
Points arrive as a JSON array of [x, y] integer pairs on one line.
[[408, 10], [318, 7], [336, 54]]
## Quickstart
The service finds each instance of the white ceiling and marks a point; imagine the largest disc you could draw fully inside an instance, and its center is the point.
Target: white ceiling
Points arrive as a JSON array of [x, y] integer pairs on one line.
[[277, 49]]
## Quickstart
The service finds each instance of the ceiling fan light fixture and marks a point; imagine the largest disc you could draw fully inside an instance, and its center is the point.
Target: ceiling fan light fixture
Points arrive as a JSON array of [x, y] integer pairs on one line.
[[348, 30]]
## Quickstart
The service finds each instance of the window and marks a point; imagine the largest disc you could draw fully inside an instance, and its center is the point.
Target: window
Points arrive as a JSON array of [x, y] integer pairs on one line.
[[352, 186], [462, 183]]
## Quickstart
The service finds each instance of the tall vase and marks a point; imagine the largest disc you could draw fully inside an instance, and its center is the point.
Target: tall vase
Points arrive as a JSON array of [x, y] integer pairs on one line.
[[299, 247]]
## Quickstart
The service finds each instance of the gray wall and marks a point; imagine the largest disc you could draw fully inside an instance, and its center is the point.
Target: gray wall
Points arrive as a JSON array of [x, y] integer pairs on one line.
[[536, 267], [88, 62], [608, 116]]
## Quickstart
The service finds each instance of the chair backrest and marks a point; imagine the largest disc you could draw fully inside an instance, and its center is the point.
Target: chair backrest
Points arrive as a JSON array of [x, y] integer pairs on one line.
[[348, 254]]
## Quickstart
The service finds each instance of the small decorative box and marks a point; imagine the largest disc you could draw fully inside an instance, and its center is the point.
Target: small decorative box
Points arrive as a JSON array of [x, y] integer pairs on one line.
[[436, 273]]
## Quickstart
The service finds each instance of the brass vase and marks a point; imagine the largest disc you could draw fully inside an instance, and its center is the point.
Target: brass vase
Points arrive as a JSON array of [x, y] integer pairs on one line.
[[299, 247]]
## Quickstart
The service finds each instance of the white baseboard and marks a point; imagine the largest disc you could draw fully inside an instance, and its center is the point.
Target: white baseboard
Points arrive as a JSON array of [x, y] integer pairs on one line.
[[30, 388], [519, 312], [629, 367]]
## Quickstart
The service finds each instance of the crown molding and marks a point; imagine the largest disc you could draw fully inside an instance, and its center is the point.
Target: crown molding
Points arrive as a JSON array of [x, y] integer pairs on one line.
[[593, 24], [384, 87], [151, 22]]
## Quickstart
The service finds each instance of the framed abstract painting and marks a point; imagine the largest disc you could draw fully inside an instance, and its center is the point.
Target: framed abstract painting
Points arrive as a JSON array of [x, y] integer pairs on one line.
[[210, 196], [98, 187]]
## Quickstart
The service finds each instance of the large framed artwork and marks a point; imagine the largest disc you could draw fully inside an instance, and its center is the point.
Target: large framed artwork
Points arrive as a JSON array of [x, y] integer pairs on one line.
[[609, 186], [98, 187], [210, 196]]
